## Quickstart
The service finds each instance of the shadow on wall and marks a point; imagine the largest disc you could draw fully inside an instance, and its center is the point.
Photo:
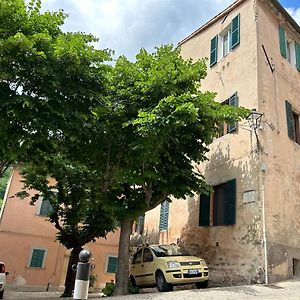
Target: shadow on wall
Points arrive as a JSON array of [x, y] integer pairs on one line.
[[234, 253]]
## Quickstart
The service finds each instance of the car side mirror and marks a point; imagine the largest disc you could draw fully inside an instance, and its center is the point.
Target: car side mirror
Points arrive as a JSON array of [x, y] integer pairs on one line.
[[6, 273]]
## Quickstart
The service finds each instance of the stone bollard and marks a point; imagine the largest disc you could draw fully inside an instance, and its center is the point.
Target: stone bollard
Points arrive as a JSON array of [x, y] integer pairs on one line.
[[81, 289]]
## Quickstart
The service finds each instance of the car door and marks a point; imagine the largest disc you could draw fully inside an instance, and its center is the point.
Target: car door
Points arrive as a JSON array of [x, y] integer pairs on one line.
[[136, 267], [148, 267]]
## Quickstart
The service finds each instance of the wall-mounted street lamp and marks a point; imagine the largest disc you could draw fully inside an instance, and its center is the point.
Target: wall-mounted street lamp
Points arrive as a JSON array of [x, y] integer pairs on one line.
[[254, 119]]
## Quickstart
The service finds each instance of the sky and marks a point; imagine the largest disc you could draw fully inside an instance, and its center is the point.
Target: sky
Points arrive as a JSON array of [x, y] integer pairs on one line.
[[126, 26]]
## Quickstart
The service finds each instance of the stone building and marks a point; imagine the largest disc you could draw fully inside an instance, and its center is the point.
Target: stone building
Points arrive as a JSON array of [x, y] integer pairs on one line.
[[248, 229], [29, 248]]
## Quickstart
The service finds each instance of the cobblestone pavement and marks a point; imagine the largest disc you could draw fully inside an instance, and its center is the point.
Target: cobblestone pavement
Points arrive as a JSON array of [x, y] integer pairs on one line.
[[285, 290]]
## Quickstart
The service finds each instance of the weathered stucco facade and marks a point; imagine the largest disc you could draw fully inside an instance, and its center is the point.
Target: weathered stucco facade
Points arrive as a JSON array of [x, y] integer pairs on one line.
[[263, 244], [23, 229]]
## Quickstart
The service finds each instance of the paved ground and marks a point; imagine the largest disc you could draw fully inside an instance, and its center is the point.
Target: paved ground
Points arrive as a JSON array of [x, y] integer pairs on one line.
[[285, 290]]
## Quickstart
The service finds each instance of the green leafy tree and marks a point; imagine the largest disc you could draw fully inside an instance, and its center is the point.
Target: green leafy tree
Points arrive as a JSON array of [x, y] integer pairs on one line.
[[48, 79], [152, 128], [76, 207]]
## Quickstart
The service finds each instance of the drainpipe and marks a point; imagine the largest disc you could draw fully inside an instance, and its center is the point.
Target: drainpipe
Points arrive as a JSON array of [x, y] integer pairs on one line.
[[263, 169]]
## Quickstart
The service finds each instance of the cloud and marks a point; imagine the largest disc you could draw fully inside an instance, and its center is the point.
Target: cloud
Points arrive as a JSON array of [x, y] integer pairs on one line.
[[128, 25]]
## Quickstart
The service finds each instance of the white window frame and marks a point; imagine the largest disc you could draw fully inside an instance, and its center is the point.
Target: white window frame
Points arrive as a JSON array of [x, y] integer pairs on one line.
[[106, 262], [30, 257], [290, 51], [226, 34]]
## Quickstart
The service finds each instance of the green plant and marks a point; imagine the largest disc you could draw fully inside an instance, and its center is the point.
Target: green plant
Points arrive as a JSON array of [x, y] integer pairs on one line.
[[110, 288]]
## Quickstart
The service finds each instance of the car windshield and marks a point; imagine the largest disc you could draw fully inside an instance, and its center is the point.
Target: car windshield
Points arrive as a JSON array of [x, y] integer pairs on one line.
[[168, 250]]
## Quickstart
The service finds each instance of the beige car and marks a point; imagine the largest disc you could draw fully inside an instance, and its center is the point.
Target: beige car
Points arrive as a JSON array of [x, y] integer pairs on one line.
[[165, 266]]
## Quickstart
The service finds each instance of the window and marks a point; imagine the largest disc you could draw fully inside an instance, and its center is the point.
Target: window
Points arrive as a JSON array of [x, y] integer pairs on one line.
[[45, 208], [289, 49], [112, 264], [164, 216], [219, 207], [137, 257], [37, 258], [228, 128], [147, 257], [292, 123], [225, 43], [229, 39]]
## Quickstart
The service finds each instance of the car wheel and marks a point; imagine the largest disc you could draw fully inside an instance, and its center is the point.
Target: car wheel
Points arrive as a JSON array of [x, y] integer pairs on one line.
[[162, 284], [1, 294], [202, 285]]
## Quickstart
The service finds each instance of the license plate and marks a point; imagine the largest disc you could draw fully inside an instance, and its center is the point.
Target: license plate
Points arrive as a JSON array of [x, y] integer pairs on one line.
[[193, 272]]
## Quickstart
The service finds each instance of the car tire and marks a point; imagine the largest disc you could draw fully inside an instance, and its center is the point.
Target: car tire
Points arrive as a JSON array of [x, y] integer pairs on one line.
[[162, 284], [1, 294], [202, 284]]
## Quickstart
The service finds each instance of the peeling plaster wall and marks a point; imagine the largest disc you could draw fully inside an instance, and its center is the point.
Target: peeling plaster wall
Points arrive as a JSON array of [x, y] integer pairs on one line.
[[281, 155]]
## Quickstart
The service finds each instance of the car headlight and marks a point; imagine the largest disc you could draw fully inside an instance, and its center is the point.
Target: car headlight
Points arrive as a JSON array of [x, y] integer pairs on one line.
[[202, 262], [173, 264]]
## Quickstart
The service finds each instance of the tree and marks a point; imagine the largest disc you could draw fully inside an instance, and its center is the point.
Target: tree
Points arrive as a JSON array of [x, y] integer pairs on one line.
[[48, 79], [155, 125], [76, 207]]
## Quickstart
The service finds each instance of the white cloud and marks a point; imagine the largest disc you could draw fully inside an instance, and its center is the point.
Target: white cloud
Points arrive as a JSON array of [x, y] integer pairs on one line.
[[128, 25]]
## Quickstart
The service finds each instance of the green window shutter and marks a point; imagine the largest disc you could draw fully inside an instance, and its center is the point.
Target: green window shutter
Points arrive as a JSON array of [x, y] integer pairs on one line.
[[233, 101], [282, 41], [112, 264], [204, 214], [290, 120], [235, 31], [164, 216], [297, 51], [46, 207], [230, 203], [37, 258], [214, 51]]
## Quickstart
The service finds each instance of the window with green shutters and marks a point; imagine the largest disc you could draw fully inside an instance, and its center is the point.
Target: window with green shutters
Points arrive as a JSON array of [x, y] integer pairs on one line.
[[225, 128], [46, 207], [292, 123], [164, 216], [228, 39], [297, 54], [223, 203], [112, 264], [37, 258]]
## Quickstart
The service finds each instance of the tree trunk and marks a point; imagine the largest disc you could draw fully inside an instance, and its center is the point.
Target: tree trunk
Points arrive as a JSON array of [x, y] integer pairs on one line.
[[70, 277], [122, 275]]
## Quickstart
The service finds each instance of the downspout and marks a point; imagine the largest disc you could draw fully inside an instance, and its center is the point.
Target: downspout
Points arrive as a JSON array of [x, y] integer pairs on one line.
[[6, 195], [263, 170]]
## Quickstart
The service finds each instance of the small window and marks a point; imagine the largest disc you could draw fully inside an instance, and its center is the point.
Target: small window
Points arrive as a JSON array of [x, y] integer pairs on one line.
[[147, 257], [2, 268], [137, 257], [46, 207], [225, 42], [292, 123], [164, 216], [37, 258], [112, 264], [226, 128]]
